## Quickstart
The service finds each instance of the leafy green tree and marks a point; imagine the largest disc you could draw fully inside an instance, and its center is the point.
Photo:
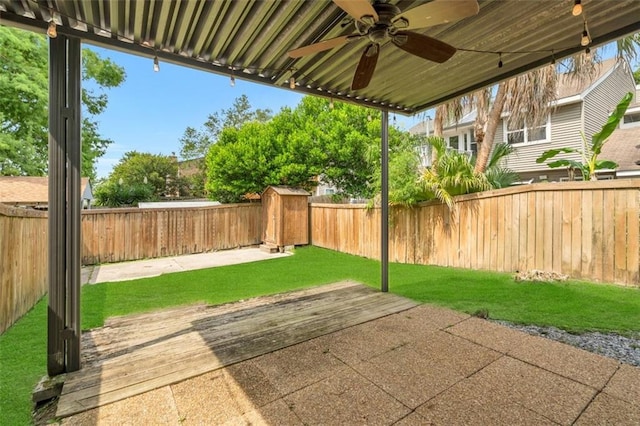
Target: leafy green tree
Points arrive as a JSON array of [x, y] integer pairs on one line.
[[23, 111], [158, 171], [590, 151], [115, 194], [340, 143], [195, 143]]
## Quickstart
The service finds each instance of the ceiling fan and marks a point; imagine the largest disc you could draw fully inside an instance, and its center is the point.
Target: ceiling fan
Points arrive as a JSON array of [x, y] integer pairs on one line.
[[381, 22]]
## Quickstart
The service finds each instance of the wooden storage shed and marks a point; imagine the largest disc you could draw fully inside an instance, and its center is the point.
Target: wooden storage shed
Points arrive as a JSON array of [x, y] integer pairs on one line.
[[285, 216]]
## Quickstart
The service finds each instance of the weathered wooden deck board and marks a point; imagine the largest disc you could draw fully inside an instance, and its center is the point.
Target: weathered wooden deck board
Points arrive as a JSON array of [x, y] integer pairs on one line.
[[136, 354]]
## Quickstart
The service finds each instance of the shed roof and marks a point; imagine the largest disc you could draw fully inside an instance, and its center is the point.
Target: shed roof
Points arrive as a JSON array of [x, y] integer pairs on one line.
[[287, 190], [29, 189], [250, 40]]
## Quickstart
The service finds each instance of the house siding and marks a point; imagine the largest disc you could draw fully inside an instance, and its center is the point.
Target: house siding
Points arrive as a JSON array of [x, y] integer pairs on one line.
[[600, 102], [565, 126]]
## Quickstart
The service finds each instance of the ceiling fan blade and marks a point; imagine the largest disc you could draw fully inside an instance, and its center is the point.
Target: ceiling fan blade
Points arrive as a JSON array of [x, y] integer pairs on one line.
[[423, 46], [319, 47], [366, 67], [436, 12], [357, 9]]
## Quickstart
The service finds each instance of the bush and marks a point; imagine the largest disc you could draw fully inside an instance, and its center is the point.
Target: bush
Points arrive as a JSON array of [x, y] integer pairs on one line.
[[110, 194]]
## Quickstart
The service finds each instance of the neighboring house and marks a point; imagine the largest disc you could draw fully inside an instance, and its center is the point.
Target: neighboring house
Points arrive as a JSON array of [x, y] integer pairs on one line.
[[33, 191], [580, 107]]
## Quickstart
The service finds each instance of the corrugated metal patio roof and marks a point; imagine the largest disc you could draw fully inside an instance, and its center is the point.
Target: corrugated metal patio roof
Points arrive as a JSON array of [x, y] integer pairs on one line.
[[250, 40]]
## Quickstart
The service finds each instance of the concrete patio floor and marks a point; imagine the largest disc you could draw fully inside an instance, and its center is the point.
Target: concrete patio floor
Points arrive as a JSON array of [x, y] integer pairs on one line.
[[423, 365]]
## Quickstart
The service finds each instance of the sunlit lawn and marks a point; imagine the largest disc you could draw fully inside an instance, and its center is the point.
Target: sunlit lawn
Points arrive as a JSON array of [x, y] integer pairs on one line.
[[575, 306]]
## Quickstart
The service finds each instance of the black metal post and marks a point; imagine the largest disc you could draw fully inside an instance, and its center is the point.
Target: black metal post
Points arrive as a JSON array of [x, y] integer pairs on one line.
[[63, 340], [384, 244]]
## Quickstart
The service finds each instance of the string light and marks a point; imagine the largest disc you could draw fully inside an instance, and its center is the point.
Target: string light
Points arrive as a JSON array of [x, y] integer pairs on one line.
[[587, 53], [156, 64], [577, 8], [553, 58], [232, 81], [331, 104], [585, 40], [52, 32]]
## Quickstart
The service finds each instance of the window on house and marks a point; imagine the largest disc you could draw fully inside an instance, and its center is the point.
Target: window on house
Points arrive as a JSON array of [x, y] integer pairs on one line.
[[473, 145], [518, 132], [454, 142], [631, 119]]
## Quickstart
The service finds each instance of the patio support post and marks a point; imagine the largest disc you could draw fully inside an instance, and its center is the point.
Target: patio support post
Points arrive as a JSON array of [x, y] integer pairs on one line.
[[384, 243], [63, 325]]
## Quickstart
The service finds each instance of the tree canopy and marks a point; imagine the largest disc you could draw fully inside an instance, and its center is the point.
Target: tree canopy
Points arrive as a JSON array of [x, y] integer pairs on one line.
[[23, 112], [158, 171], [339, 143], [195, 143]]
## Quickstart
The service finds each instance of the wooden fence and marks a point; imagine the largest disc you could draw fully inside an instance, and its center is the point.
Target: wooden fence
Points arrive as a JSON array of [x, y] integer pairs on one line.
[[586, 230], [113, 235], [23, 262], [116, 235]]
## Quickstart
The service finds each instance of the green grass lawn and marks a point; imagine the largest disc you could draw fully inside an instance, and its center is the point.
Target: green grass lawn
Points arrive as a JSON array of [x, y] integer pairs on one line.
[[573, 306]]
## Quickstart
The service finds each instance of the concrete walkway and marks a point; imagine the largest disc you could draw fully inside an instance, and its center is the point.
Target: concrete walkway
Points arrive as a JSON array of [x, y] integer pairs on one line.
[[125, 271]]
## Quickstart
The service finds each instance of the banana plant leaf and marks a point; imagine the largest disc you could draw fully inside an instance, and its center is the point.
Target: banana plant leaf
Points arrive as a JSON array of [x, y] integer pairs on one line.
[[598, 139], [552, 153]]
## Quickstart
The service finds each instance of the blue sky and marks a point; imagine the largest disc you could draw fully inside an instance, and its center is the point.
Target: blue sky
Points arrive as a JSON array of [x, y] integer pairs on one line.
[[150, 111]]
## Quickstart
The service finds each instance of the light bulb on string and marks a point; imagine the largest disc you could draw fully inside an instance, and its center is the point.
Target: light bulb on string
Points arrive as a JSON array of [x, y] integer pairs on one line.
[[232, 81], [156, 64], [500, 64], [292, 83], [52, 32], [585, 40], [331, 104], [587, 53], [577, 8]]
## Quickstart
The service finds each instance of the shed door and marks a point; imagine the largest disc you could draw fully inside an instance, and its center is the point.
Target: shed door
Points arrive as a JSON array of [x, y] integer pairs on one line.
[[270, 222]]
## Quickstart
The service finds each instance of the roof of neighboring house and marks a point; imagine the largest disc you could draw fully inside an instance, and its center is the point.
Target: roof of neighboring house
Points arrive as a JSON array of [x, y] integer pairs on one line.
[[29, 189], [623, 147], [568, 86]]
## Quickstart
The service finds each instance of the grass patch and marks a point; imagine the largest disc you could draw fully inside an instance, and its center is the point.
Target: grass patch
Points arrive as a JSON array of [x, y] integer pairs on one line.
[[23, 361], [573, 306]]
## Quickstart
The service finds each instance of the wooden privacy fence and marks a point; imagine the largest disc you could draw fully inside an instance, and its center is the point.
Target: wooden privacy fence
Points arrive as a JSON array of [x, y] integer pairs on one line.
[[586, 230], [23, 262], [116, 235]]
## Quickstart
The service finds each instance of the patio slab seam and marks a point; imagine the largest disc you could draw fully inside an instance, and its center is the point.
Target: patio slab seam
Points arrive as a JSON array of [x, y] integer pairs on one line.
[[598, 393]]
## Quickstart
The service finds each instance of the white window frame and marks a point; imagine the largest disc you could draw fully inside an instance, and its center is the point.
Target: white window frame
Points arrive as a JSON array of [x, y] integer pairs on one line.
[[633, 111], [526, 142]]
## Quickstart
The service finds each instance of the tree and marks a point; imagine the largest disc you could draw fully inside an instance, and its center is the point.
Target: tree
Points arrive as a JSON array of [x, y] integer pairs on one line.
[[590, 152], [158, 171], [115, 194], [340, 143], [196, 143], [23, 111]]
